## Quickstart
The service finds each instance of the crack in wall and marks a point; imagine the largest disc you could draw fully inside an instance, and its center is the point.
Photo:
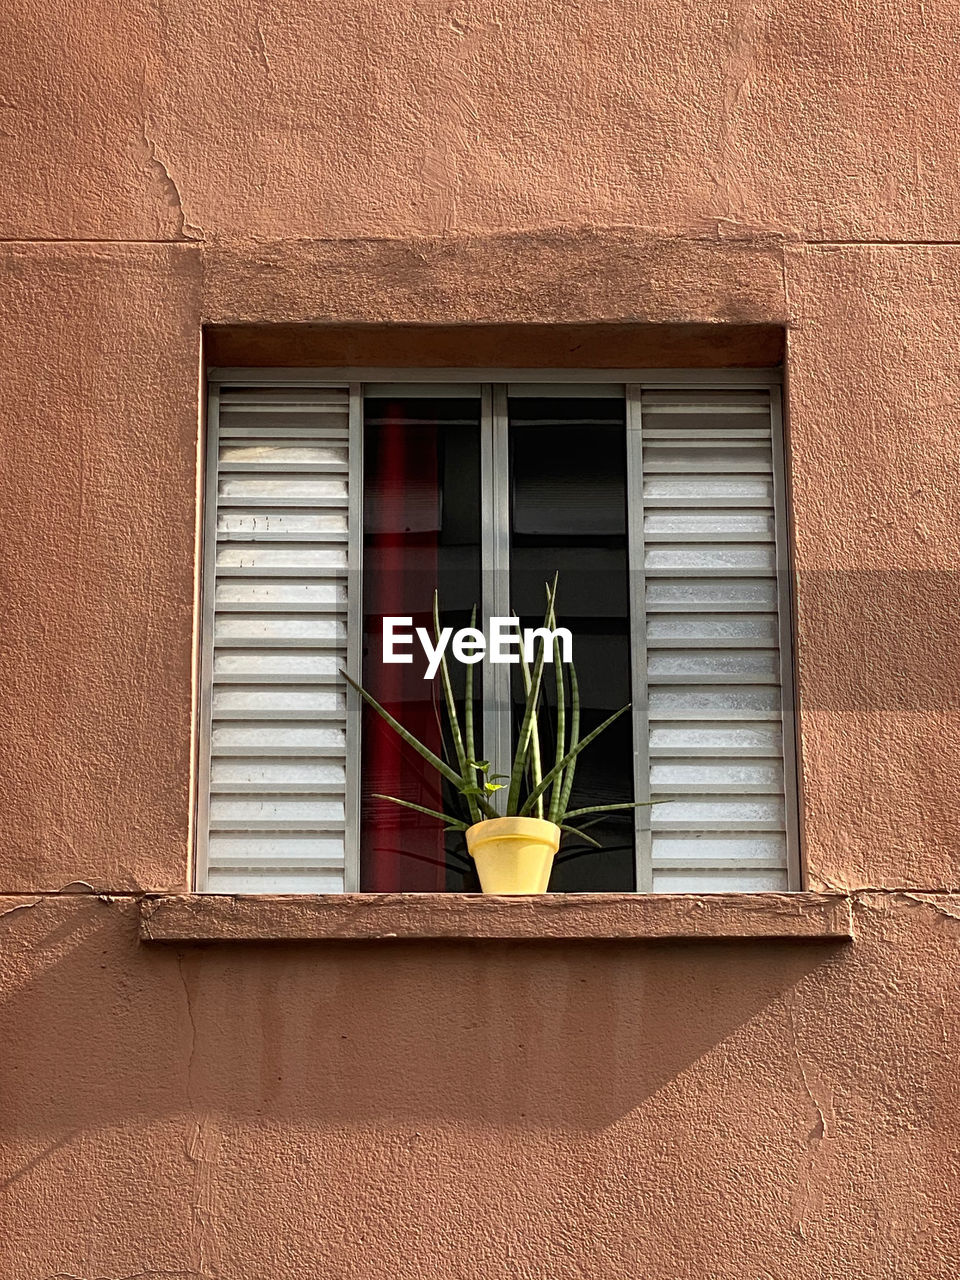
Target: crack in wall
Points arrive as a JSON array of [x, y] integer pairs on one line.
[[260, 50], [22, 906], [153, 163], [923, 898], [822, 1131], [881, 890], [193, 1029], [938, 907], [861, 895], [133, 1275], [201, 1150]]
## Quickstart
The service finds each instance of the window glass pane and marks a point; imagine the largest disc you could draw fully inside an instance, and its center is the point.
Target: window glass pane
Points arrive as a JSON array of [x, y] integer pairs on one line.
[[421, 533], [568, 516]]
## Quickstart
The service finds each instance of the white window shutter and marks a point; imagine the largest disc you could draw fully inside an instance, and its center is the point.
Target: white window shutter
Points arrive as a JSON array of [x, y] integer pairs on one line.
[[280, 603], [713, 661]]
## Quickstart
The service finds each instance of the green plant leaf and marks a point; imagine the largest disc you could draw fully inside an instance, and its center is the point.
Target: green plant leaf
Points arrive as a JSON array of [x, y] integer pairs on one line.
[[608, 808], [526, 727], [453, 824], [570, 756], [533, 766], [466, 772], [441, 766], [571, 769], [582, 835], [556, 791], [469, 745]]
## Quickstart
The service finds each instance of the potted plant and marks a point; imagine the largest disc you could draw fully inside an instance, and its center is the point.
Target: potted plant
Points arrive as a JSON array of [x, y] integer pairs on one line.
[[513, 849]]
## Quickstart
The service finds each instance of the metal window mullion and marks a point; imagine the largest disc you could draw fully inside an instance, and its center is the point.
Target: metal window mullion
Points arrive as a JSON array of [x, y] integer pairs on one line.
[[791, 781], [638, 638], [495, 574], [351, 836], [208, 582]]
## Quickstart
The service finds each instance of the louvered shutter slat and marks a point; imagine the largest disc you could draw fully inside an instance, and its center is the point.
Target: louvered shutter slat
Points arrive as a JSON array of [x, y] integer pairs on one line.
[[250, 630], [279, 613], [307, 597], [272, 702], [696, 526], [712, 663], [716, 740], [719, 630]]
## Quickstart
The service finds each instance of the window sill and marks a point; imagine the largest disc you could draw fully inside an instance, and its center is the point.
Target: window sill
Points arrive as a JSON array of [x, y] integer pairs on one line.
[[465, 917]]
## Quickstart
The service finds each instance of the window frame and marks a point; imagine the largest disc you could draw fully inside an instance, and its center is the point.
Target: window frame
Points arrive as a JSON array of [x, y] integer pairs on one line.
[[494, 388]]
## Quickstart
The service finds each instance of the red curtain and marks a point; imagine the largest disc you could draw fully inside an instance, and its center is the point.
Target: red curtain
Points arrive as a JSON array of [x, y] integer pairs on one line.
[[401, 851]]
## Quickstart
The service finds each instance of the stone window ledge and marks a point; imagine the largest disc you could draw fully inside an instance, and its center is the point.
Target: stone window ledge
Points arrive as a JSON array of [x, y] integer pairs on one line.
[[464, 917]]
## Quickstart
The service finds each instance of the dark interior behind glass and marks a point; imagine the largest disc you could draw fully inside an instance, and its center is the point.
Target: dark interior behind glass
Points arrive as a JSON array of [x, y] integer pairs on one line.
[[569, 515]]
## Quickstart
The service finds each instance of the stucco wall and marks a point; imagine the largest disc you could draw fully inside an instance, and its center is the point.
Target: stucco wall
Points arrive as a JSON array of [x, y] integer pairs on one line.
[[736, 1110]]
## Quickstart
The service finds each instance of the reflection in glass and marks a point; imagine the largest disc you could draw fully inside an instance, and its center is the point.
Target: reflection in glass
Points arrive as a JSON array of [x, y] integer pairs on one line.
[[421, 534]]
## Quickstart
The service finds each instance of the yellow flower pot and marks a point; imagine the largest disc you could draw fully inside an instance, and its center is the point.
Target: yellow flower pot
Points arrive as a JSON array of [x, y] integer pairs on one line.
[[513, 855]]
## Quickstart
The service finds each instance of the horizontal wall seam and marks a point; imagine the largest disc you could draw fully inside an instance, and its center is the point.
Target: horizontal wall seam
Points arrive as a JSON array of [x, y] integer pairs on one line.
[[889, 244], [780, 239], [184, 243], [136, 895]]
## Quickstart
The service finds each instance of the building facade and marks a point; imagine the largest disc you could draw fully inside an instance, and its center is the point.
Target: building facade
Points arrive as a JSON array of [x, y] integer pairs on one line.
[[745, 1086]]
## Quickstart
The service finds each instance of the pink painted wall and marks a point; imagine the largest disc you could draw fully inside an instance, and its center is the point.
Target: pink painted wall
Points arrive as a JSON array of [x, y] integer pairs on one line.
[[520, 1110]]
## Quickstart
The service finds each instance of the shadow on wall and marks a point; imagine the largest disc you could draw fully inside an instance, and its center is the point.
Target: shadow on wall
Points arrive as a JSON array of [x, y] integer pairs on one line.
[[572, 1037]]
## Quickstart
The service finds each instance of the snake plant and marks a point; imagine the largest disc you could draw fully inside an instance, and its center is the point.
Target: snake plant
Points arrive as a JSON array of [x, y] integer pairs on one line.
[[532, 789]]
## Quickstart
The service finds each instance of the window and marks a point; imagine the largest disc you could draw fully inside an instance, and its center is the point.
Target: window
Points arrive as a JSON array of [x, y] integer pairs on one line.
[[331, 504]]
